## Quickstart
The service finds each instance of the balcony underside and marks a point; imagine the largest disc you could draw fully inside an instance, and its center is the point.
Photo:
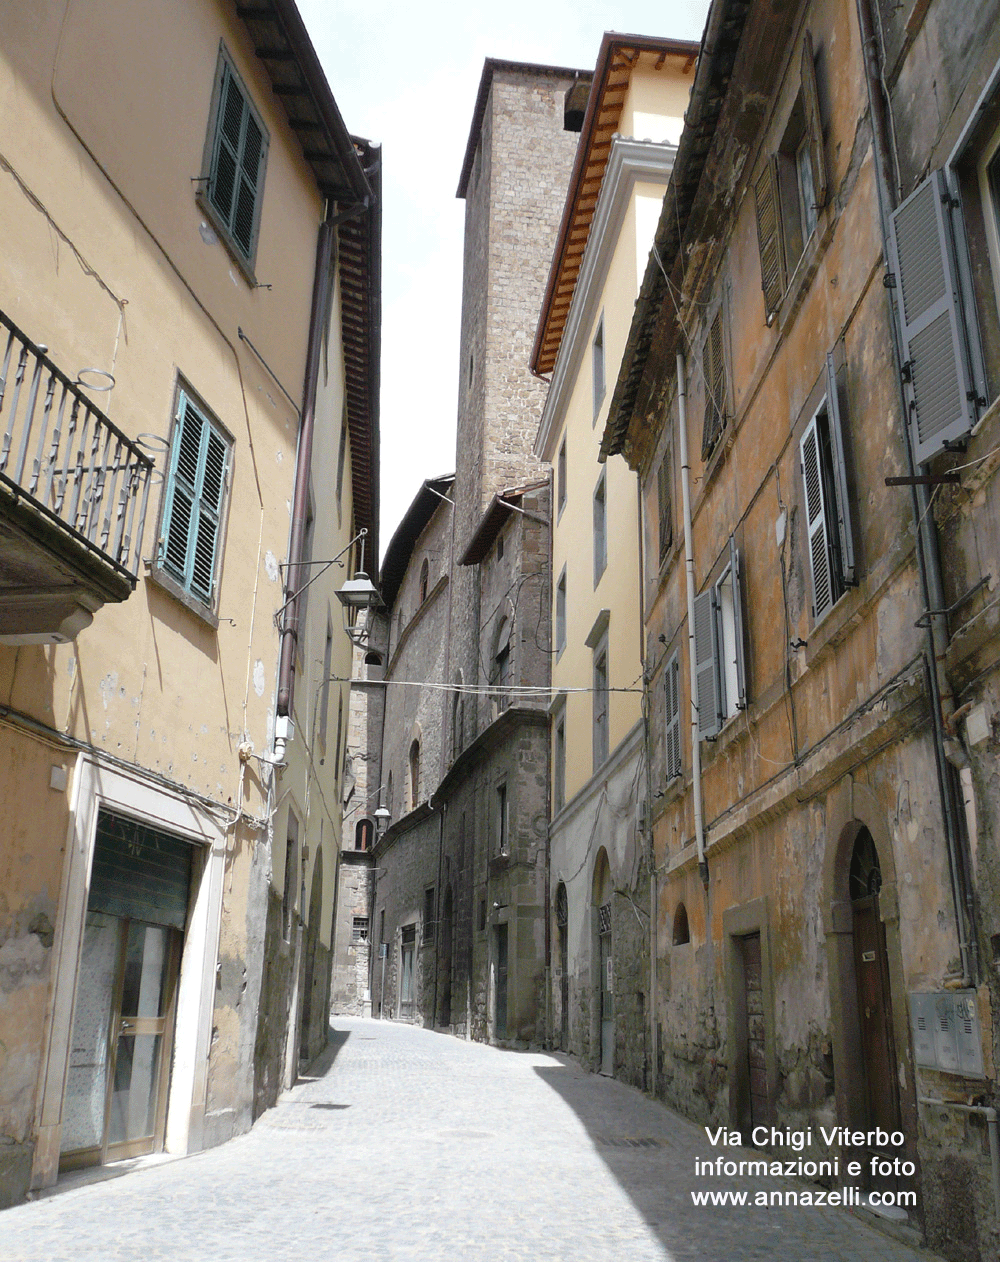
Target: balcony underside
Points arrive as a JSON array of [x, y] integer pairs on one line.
[[51, 584]]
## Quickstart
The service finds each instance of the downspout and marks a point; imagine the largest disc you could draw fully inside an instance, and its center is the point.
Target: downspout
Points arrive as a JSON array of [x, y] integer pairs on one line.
[[654, 904], [300, 498], [928, 561], [699, 819]]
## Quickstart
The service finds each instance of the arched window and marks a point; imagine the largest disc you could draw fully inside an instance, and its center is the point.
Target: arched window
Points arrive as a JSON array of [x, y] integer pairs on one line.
[[363, 834], [373, 659], [682, 933], [424, 575], [414, 775]]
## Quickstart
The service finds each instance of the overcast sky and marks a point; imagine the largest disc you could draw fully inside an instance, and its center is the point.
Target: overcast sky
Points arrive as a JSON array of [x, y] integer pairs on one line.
[[406, 76]]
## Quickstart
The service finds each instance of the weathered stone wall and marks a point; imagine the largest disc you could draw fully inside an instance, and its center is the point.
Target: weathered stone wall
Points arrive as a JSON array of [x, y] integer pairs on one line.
[[350, 982]]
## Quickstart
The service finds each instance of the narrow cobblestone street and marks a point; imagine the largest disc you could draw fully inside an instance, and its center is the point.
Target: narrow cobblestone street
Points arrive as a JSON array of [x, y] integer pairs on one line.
[[406, 1145]]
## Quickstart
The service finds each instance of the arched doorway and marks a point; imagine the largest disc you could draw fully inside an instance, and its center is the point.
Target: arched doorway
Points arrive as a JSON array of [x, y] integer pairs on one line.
[[562, 928], [447, 936], [874, 997], [605, 1001], [310, 1043]]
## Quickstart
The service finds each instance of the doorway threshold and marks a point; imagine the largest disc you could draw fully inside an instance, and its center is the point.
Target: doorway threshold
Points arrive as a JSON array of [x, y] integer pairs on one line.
[[100, 1174]]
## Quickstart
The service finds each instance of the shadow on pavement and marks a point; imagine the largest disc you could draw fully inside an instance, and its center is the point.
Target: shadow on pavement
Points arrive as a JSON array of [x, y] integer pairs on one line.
[[323, 1063], [651, 1152]]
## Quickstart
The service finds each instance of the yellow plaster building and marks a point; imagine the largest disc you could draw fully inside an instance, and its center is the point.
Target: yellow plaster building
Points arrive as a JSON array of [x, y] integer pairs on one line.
[[189, 234], [632, 123]]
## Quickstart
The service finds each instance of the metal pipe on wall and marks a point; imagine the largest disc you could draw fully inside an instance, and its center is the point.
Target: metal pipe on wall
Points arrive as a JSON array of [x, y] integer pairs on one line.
[[699, 819]]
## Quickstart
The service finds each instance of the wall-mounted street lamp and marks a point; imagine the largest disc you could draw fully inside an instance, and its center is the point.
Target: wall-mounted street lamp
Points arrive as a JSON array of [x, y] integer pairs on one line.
[[382, 820], [357, 595]]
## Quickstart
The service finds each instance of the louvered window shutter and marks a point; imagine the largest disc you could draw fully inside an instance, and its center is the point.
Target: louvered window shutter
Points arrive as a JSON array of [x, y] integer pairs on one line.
[[772, 258], [672, 717], [814, 123], [196, 493], [706, 664], [665, 506], [238, 160], [816, 522], [938, 385], [843, 505], [741, 667], [714, 369]]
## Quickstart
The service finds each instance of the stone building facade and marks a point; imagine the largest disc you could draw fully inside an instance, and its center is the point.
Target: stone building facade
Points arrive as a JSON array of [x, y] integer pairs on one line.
[[460, 884], [815, 340]]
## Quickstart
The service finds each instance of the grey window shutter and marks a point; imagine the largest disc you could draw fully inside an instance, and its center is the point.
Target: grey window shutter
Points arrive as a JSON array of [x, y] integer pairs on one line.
[[714, 371], [814, 123], [741, 666], [772, 259], [672, 712], [816, 522], [843, 505], [932, 330], [706, 667]]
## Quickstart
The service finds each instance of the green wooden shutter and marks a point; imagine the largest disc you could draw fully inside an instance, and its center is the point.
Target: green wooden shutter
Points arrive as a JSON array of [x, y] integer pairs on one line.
[[193, 514], [772, 258], [672, 717], [938, 385], [816, 521], [706, 664], [238, 158], [841, 492]]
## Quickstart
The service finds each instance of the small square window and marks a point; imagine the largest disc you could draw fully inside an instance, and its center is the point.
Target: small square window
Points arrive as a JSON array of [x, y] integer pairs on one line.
[[359, 930]]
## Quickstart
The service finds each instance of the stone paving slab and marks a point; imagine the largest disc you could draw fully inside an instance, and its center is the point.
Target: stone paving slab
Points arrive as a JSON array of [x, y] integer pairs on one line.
[[410, 1146]]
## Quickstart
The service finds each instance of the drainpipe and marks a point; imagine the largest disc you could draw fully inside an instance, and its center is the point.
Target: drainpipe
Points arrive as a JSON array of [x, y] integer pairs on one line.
[[300, 498], [928, 561], [648, 821], [699, 820]]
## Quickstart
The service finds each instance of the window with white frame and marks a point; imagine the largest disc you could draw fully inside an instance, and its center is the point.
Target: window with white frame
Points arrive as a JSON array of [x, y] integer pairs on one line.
[[600, 695], [561, 612], [720, 667], [559, 760], [597, 359], [600, 528]]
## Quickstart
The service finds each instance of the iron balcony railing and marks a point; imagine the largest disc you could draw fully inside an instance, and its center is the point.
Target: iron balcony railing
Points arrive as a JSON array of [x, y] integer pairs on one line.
[[64, 455]]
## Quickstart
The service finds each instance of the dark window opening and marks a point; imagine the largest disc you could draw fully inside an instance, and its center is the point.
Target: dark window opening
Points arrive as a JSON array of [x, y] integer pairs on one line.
[[575, 107], [682, 933]]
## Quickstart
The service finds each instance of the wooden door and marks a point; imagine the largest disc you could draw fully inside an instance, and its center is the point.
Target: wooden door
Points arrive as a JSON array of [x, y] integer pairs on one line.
[[755, 1065], [881, 1090]]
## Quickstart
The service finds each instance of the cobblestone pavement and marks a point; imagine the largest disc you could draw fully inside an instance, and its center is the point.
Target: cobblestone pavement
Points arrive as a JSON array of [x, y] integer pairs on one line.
[[410, 1146]]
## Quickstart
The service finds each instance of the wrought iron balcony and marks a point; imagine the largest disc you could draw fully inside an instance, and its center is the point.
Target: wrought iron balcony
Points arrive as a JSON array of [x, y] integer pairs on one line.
[[73, 496]]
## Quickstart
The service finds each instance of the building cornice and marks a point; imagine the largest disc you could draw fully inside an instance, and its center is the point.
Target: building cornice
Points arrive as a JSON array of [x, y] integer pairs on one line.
[[629, 162]]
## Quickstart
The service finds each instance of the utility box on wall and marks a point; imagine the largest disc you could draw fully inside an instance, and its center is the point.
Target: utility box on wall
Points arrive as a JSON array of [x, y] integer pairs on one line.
[[946, 1033]]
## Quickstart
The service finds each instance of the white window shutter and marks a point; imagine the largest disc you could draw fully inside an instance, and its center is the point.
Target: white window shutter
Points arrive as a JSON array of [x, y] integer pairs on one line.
[[706, 664], [672, 725], [816, 522], [936, 372], [843, 505], [741, 667]]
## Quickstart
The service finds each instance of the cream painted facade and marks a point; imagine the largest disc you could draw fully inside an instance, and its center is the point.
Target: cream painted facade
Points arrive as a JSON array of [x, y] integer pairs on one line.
[[597, 754], [157, 711]]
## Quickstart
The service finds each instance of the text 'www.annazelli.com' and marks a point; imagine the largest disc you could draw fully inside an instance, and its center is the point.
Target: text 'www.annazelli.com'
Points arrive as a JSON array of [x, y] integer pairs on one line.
[[784, 1199]]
